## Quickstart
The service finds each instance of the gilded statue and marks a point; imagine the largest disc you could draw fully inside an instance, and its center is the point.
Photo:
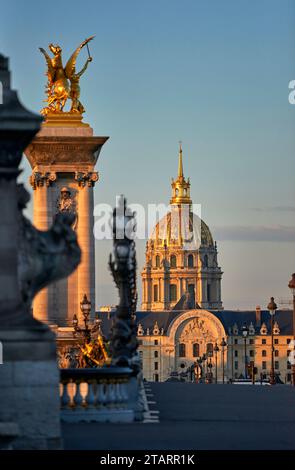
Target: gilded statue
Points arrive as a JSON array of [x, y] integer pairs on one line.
[[63, 82]]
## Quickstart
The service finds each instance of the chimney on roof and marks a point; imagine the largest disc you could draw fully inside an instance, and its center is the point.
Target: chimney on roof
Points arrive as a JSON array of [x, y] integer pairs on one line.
[[258, 316]]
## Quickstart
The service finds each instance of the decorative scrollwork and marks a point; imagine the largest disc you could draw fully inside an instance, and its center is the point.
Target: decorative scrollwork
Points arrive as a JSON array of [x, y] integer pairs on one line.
[[86, 178]]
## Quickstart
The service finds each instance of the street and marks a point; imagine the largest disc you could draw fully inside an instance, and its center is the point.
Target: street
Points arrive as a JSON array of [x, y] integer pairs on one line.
[[199, 417]]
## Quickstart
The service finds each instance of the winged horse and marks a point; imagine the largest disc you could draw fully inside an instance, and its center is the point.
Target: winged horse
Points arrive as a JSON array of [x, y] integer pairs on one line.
[[58, 89]]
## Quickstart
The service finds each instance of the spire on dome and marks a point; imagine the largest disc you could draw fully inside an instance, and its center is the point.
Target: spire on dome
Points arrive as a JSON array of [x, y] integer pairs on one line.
[[180, 165], [180, 186]]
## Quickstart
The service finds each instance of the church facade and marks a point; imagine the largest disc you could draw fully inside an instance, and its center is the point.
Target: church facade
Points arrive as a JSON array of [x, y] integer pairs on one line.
[[181, 257]]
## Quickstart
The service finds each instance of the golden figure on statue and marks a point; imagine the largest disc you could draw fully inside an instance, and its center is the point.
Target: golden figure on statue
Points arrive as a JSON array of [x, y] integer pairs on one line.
[[58, 88]]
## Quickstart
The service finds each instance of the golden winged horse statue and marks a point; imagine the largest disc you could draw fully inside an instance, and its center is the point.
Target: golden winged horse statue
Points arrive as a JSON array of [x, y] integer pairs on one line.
[[58, 88]]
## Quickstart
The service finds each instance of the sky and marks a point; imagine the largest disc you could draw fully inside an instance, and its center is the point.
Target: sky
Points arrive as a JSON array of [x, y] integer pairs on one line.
[[213, 74]]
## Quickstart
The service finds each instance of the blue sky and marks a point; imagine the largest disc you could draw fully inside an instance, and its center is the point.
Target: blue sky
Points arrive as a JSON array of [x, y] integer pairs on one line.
[[214, 74]]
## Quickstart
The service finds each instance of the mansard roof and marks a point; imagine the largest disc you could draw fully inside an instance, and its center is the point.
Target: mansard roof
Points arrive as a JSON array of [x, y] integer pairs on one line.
[[228, 318]]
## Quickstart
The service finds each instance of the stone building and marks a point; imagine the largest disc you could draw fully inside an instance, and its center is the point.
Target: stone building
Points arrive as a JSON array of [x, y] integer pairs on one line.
[[182, 317], [170, 342], [181, 257]]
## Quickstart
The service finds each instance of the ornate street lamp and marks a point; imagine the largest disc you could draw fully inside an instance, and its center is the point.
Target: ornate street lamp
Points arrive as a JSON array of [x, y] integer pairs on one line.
[[292, 288], [216, 350], [200, 376], [272, 306], [87, 331], [123, 335], [245, 333], [204, 359], [209, 366], [223, 345]]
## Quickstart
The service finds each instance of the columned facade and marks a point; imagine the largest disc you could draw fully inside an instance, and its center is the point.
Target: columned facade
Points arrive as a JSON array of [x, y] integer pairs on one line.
[[181, 257]]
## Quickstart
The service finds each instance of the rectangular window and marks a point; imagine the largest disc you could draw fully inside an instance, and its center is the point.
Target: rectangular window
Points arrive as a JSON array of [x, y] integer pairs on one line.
[[236, 353], [156, 293], [208, 293], [251, 341], [251, 353], [156, 365], [181, 350], [264, 353], [196, 350], [263, 365], [276, 341], [156, 377], [236, 341], [172, 293], [156, 342], [288, 365], [288, 340], [263, 341], [277, 366], [276, 353], [156, 354], [236, 365]]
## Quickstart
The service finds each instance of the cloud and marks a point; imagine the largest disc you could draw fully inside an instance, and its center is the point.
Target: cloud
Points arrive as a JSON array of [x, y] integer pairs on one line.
[[277, 233], [274, 209]]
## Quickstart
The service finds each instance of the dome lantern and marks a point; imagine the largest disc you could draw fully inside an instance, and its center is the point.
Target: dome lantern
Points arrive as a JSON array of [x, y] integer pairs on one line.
[[180, 186]]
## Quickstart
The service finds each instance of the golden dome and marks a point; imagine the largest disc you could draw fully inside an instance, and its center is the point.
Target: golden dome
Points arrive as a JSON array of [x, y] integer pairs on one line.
[[181, 227], [189, 233]]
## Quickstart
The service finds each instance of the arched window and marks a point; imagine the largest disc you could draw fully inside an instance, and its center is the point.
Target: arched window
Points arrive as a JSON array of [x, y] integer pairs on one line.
[[196, 350], [190, 261], [172, 261], [157, 261], [156, 291], [210, 349], [205, 262], [181, 350], [172, 293]]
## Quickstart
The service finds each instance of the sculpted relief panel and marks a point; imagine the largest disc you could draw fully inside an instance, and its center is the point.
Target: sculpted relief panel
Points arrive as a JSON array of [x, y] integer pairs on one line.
[[197, 330]]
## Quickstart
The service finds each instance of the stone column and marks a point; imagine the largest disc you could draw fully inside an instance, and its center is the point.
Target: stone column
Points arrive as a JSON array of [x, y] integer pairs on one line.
[[86, 270], [40, 183], [66, 153]]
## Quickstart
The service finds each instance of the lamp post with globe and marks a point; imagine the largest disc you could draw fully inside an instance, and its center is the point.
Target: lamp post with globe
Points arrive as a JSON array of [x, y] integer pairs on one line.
[[87, 330], [245, 333], [272, 307], [216, 350]]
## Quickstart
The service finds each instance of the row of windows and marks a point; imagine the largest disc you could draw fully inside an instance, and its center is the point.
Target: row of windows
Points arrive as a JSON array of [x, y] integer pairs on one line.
[[263, 365], [173, 292], [173, 261], [196, 349], [263, 353], [263, 341]]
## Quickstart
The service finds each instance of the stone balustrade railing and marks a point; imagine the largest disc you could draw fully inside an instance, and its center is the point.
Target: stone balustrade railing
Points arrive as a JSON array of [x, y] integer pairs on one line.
[[98, 395]]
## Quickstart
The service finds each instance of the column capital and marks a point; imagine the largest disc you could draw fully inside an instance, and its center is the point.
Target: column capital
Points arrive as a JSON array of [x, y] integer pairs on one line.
[[88, 178], [38, 179]]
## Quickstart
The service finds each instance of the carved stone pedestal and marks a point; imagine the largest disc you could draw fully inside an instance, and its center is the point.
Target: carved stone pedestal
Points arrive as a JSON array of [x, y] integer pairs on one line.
[[29, 387], [63, 156]]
